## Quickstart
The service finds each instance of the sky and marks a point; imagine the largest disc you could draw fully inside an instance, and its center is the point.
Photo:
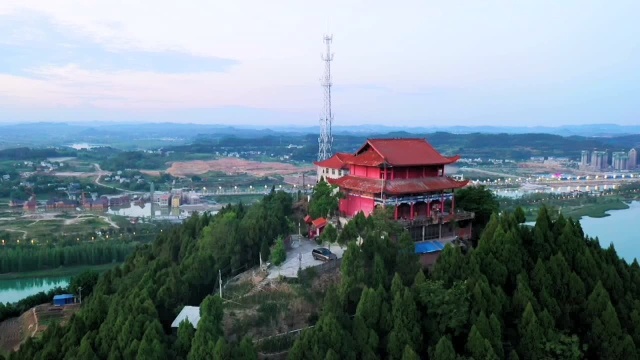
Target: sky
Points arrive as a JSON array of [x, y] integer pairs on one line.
[[415, 63]]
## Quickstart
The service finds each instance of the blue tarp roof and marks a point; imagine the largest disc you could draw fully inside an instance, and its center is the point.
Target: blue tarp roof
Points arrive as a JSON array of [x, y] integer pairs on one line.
[[63, 296], [429, 247]]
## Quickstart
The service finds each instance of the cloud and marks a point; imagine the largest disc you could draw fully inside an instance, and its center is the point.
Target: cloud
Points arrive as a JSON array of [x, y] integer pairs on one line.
[[31, 41]]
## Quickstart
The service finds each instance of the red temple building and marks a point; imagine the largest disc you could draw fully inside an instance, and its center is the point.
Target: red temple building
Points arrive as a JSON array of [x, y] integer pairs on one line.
[[407, 175]]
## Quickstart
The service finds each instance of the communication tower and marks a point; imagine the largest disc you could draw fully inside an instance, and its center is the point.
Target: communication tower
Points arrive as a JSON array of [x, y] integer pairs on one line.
[[325, 141]]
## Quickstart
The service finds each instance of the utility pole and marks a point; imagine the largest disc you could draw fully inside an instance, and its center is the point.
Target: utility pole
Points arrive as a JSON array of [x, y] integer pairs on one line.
[[80, 293], [220, 282], [325, 141]]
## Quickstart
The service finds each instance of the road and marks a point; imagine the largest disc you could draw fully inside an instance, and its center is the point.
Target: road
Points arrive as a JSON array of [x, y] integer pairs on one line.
[[490, 173], [102, 173]]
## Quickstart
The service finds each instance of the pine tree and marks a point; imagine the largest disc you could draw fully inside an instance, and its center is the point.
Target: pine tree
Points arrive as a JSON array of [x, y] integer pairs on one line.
[[406, 328], [444, 350], [329, 235], [407, 264], [478, 346], [209, 329], [531, 335], [86, 351], [379, 277], [245, 350], [183, 341], [352, 269], [222, 350], [409, 354]]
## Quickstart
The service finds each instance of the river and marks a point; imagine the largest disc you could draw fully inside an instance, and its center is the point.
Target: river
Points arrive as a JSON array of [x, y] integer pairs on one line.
[[618, 228], [16, 289]]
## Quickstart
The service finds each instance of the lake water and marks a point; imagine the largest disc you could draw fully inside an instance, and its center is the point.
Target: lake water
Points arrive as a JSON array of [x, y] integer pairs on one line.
[[619, 228], [17, 289], [80, 146]]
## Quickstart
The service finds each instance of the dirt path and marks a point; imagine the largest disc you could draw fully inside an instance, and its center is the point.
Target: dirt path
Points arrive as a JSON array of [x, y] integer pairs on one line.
[[24, 233], [108, 220], [100, 173]]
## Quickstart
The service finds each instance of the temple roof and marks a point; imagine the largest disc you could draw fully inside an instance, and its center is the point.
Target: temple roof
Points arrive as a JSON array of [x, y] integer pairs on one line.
[[337, 161], [398, 186], [319, 222], [399, 152]]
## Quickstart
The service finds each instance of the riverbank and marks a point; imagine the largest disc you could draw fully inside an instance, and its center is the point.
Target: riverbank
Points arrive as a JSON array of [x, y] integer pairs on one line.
[[57, 272], [576, 211], [597, 210]]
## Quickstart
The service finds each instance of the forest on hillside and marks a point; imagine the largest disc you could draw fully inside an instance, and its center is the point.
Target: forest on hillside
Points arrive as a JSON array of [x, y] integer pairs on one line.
[[129, 312], [499, 146], [541, 292]]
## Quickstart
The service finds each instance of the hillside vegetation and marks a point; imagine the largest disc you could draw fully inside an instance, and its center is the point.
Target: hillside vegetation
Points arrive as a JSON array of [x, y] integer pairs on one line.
[[542, 292]]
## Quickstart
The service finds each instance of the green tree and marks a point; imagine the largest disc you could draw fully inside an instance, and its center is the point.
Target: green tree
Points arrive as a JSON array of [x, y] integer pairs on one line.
[[245, 350], [324, 200], [353, 276], [520, 215], [478, 346], [209, 329], [407, 264], [86, 351], [444, 350], [184, 338], [406, 329], [479, 200], [329, 235], [279, 253], [531, 335], [409, 354]]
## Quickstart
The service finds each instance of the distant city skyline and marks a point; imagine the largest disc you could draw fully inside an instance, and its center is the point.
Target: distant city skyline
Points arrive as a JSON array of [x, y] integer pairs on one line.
[[416, 63]]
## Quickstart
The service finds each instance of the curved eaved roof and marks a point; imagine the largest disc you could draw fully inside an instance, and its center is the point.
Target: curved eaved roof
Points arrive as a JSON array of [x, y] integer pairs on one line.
[[400, 152]]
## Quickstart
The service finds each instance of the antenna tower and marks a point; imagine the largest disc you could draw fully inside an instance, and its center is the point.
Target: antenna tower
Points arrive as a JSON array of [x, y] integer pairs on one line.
[[326, 139]]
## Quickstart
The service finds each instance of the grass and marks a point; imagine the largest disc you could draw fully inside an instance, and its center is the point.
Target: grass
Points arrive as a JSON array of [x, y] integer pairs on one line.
[[597, 210], [61, 271], [234, 199]]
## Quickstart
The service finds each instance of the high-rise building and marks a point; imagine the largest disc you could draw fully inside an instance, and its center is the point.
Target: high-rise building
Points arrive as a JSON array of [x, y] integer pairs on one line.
[[619, 160], [599, 160], [633, 159], [584, 159]]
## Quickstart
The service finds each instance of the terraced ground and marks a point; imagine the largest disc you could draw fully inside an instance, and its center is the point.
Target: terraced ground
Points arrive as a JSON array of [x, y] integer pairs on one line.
[[14, 331]]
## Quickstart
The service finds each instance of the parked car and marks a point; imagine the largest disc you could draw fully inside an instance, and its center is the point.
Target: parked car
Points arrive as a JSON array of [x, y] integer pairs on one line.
[[323, 254]]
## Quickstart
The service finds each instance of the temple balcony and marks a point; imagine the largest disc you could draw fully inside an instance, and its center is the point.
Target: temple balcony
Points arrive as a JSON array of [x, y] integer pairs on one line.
[[436, 218]]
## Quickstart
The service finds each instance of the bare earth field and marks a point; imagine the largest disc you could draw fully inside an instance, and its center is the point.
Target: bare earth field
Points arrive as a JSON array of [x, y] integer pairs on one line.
[[233, 166], [14, 331]]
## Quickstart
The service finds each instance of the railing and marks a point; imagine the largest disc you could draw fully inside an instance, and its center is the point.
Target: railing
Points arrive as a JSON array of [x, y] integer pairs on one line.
[[431, 220]]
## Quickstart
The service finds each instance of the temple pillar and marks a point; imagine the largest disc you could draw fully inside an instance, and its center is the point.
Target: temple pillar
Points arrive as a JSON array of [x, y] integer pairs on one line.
[[395, 212], [428, 208], [411, 214], [453, 202]]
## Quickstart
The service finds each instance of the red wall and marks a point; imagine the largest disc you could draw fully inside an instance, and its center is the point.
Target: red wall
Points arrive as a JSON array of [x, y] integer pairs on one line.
[[414, 172], [354, 204], [365, 171]]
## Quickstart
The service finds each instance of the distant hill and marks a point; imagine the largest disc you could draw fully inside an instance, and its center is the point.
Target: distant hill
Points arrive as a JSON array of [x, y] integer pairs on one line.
[[154, 135]]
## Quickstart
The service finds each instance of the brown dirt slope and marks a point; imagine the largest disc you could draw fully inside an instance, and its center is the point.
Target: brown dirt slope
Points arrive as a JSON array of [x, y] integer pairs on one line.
[[234, 166], [14, 331]]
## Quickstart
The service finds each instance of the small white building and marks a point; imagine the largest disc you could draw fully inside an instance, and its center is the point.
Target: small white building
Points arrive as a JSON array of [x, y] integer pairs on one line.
[[334, 167], [189, 313]]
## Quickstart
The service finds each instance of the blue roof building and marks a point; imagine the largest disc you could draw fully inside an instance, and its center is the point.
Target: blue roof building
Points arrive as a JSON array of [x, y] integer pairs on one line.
[[64, 299], [428, 247]]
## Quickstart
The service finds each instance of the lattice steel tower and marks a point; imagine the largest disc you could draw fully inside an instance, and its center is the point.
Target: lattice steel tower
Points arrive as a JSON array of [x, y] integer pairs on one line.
[[326, 139]]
